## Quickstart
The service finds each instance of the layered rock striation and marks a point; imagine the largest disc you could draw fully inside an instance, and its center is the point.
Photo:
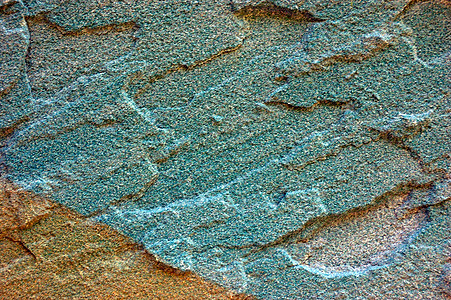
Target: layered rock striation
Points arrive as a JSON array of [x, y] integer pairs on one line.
[[281, 149]]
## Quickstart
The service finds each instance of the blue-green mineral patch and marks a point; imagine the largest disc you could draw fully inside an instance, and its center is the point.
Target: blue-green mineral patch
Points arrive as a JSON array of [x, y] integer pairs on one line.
[[285, 149]]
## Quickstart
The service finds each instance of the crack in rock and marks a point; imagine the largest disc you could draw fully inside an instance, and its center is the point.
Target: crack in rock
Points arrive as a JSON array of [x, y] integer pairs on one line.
[[284, 149]]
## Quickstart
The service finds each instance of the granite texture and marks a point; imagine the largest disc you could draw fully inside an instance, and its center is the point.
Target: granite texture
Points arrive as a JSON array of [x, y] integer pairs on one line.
[[50, 252], [281, 149]]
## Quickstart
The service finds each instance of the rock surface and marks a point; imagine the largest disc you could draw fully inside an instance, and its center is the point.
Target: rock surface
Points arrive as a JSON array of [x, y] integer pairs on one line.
[[282, 149], [49, 252]]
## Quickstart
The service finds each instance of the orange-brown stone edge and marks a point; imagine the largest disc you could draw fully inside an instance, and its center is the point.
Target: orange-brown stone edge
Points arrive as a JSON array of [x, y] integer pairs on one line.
[[50, 252]]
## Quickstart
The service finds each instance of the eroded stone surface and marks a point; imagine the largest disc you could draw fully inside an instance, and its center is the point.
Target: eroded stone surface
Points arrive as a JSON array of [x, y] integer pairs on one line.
[[283, 149], [53, 253], [14, 85]]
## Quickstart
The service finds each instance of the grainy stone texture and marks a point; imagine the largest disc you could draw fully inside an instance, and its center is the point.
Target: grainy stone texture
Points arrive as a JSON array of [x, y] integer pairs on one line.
[[49, 252], [282, 149]]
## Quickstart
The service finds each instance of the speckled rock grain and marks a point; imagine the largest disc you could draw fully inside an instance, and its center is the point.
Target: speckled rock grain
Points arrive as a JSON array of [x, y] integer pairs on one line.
[[282, 149]]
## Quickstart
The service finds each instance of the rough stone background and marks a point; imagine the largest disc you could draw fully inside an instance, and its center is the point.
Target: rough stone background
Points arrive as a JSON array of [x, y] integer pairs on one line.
[[279, 149], [49, 252]]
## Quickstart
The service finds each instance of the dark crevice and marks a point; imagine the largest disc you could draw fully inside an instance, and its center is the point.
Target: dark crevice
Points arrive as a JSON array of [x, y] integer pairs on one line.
[[7, 8], [413, 210], [442, 157], [332, 153], [6, 134], [241, 247], [270, 10], [23, 246], [100, 30], [399, 142], [312, 227], [207, 226], [408, 7], [297, 108], [138, 75], [180, 273], [106, 123], [136, 196], [123, 200], [165, 267], [8, 89], [171, 153]]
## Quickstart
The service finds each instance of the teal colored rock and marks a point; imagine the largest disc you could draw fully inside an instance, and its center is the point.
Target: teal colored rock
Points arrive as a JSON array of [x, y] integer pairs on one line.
[[16, 101], [282, 149]]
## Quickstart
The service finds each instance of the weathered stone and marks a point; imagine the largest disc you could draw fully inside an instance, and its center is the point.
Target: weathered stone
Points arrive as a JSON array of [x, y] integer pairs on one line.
[[53, 253], [15, 91], [283, 149]]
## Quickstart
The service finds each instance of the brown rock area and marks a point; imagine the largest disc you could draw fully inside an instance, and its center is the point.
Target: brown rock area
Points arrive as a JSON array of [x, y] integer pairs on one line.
[[182, 149], [50, 252]]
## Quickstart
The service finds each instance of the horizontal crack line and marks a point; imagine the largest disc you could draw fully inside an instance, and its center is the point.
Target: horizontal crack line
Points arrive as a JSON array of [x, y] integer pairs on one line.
[[170, 71]]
